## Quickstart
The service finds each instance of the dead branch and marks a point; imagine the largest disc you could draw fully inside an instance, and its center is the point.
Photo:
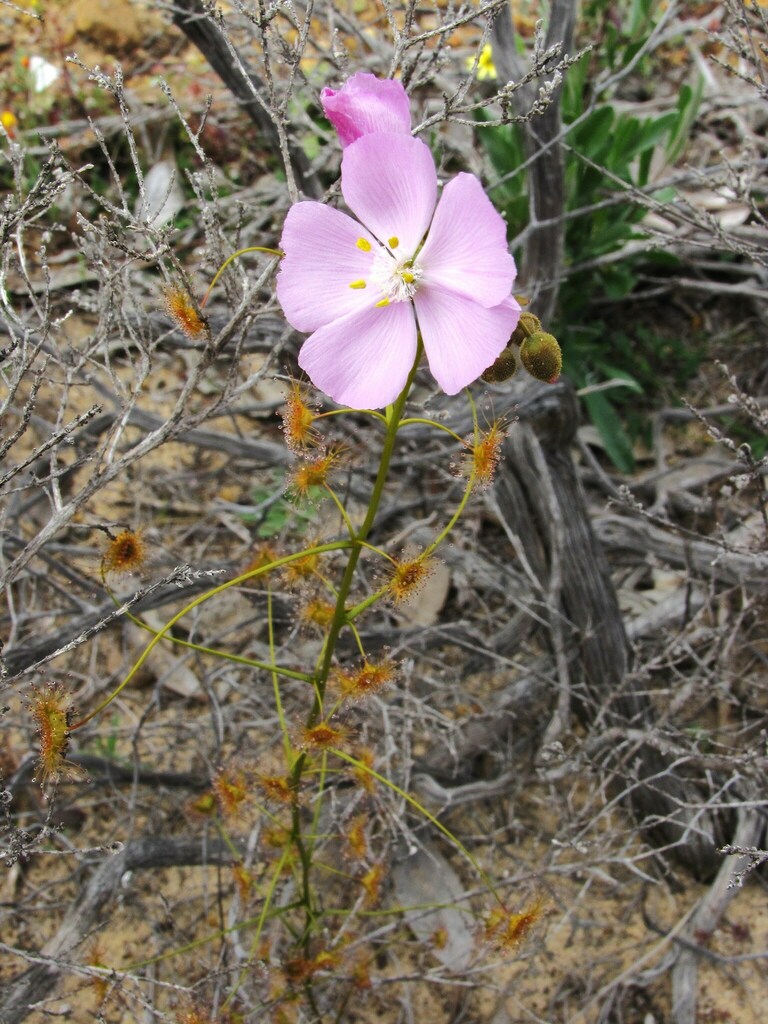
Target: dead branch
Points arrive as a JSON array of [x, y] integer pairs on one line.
[[200, 27], [706, 559], [704, 920], [546, 172], [28, 991], [604, 693]]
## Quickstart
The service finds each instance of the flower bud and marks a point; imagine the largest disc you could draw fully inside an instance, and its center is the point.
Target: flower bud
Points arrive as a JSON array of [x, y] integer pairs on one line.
[[367, 104], [527, 325], [504, 368], [506, 364], [541, 356]]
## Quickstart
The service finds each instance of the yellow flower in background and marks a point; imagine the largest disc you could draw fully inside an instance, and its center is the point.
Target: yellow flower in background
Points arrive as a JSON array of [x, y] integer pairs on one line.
[[486, 69], [9, 122]]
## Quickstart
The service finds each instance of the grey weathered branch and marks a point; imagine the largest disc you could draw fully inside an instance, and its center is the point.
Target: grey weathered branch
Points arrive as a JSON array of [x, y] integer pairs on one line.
[[31, 656], [705, 919], [199, 26], [708, 559], [670, 807], [542, 263]]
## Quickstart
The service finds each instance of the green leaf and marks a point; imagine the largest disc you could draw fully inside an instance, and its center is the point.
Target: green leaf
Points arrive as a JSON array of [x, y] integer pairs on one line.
[[641, 18], [688, 104], [644, 168], [502, 143], [593, 136], [504, 146], [628, 381], [605, 418], [665, 195], [633, 138], [274, 521], [662, 258], [574, 87]]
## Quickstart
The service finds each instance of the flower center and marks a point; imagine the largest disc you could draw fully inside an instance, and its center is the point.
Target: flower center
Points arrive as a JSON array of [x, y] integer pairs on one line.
[[396, 277], [393, 274]]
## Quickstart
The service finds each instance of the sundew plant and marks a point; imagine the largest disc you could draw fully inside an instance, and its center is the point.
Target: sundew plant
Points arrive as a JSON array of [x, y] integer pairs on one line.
[[422, 271], [347, 673]]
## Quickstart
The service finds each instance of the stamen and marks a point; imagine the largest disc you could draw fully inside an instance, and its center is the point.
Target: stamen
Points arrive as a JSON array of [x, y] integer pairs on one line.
[[364, 244], [393, 242], [397, 280], [358, 284], [384, 302]]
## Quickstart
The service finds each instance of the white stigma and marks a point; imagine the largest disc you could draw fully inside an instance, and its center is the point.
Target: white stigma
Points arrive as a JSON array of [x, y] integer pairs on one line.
[[396, 276]]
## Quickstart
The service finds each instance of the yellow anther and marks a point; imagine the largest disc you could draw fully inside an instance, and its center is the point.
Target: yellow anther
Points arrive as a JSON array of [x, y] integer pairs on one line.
[[407, 276], [364, 244], [384, 302], [393, 242], [357, 284]]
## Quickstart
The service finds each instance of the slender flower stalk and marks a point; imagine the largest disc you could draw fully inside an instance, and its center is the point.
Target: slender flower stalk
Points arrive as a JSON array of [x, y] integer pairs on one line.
[[394, 416]]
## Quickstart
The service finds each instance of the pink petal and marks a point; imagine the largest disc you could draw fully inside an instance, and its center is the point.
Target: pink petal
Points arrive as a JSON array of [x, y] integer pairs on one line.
[[461, 337], [321, 260], [390, 183], [466, 249], [363, 360], [367, 104]]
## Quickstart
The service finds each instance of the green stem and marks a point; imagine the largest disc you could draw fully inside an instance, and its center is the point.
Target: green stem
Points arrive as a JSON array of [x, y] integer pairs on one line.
[[237, 659], [452, 521], [342, 511], [234, 256], [276, 680], [393, 418], [161, 634], [432, 423], [259, 926], [373, 413], [468, 490], [394, 414]]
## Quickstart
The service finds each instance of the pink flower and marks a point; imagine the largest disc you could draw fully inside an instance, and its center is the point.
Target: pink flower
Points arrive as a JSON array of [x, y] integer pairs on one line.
[[366, 289], [367, 104]]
